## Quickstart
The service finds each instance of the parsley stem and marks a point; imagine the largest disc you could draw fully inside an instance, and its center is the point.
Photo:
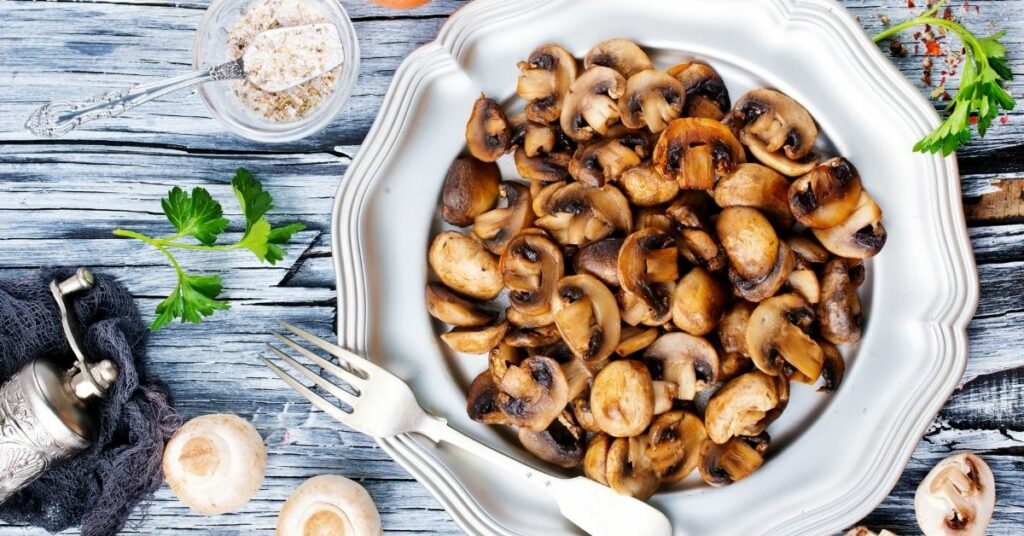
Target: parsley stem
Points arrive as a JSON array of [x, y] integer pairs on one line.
[[181, 245], [155, 243]]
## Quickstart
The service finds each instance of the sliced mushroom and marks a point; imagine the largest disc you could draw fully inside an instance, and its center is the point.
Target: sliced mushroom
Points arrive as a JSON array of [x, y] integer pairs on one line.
[[698, 302], [578, 375], [487, 133], [475, 340], [501, 357], [757, 186], [581, 410], [600, 161], [749, 241], [957, 497], [520, 320], [723, 464], [732, 330], [706, 94], [532, 337], [535, 139], [595, 460], [544, 81], [807, 250], [600, 259], [562, 443], [648, 262], [645, 187], [686, 360], [665, 394], [629, 470], [652, 99], [470, 189], [759, 289], [533, 393], [745, 406], [530, 268], [497, 227], [675, 439], [625, 57], [733, 364], [545, 167], [776, 340], [634, 311], [587, 316], [777, 129], [804, 281], [827, 195], [576, 215], [633, 339], [860, 235], [696, 152], [591, 105], [465, 266], [696, 241], [449, 308], [839, 315], [832, 369], [483, 400], [622, 398]]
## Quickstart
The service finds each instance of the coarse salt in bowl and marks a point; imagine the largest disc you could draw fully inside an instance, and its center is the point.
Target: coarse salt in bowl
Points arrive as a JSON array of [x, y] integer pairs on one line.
[[235, 106]]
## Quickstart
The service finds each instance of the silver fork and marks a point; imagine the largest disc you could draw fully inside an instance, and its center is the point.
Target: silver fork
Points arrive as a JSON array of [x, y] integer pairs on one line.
[[384, 406]]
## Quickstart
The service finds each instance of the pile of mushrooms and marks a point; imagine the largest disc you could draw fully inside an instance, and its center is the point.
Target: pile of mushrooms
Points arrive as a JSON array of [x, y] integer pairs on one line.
[[660, 270]]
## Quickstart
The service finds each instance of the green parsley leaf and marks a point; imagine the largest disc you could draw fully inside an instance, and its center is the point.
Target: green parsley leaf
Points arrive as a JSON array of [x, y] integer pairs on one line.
[[255, 240], [198, 216], [195, 297], [280, 235], [254, 201]]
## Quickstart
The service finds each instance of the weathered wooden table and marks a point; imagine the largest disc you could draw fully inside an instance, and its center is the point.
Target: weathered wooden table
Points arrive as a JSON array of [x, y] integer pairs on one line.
[[60, 199]]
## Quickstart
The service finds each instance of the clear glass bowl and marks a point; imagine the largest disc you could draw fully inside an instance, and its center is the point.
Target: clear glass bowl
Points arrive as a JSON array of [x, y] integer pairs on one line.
[[211, 48]]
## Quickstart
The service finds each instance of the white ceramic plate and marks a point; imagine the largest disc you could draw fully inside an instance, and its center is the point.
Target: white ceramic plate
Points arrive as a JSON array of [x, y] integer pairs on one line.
[[832, 458]]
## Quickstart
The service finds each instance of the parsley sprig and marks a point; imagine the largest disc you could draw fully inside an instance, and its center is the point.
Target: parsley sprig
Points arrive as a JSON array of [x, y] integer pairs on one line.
[[201, 217], [981, 94]]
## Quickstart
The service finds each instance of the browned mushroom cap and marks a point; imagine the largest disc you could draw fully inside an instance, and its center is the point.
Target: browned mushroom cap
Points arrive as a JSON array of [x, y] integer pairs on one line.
[[587, 316], [648, 261], [634, 311], [645, 187], [546, 167], [745, 406], [807, 250], [560, 444], [497, 227], [827, 195], [749, 241], [619, 54], [530, 268], [520, 320], [674, 444], [533, 393], [544, 80], [487, 133], [758, 289], [633, 339], [581, 410], [696, 152], [600, 259], [697, 244], [733, 364], [776, 339], [470, 189], [774, 127], [629, 470], [732, 330], [706, 95], [698, 302], [594, 163], [757, 186], [464, 265], [839, 311], [475, 340], [860, 235], [804, 281], [532, 337], [721, 465], [640, 141], [482, 402], [595, 460], [449, 308], [591, 105], [536, 139], [652, 99], [686, 360], [832, 369], [622, 398], [501, 357], [576, 215]]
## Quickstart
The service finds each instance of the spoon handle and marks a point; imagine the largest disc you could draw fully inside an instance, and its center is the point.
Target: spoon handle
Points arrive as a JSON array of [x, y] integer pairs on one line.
[[60, 117]]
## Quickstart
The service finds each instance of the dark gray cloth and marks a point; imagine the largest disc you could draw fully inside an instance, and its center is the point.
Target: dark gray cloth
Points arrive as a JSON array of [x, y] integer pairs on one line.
[[98, 488]]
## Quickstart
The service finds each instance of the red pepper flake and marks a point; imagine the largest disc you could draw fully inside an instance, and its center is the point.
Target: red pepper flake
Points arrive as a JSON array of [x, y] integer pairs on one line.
[[947, 13], [917, 35], [973, 120], [946, 96], [910, 4], [1003, 120], [931, 48], [917, 49], [926, 78]]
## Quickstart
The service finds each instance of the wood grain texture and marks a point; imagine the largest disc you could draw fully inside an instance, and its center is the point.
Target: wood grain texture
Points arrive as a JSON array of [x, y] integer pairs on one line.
[[60, 199]]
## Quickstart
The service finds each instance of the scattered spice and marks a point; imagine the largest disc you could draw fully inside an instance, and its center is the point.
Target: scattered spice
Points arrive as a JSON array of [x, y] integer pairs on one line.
[[1003, 120], [885, 20], [896, 47], [911, 4]]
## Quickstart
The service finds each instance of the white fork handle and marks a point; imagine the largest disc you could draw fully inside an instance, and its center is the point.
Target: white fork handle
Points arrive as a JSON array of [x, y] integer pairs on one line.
[[591, 506]]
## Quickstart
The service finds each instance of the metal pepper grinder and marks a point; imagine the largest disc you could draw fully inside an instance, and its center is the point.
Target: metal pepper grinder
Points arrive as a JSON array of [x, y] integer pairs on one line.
[[44, 409]]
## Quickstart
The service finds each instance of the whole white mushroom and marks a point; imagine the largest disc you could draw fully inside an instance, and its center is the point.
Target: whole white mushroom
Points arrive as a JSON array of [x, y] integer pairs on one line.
[[329, 505], [215, 463], [957, 497]]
